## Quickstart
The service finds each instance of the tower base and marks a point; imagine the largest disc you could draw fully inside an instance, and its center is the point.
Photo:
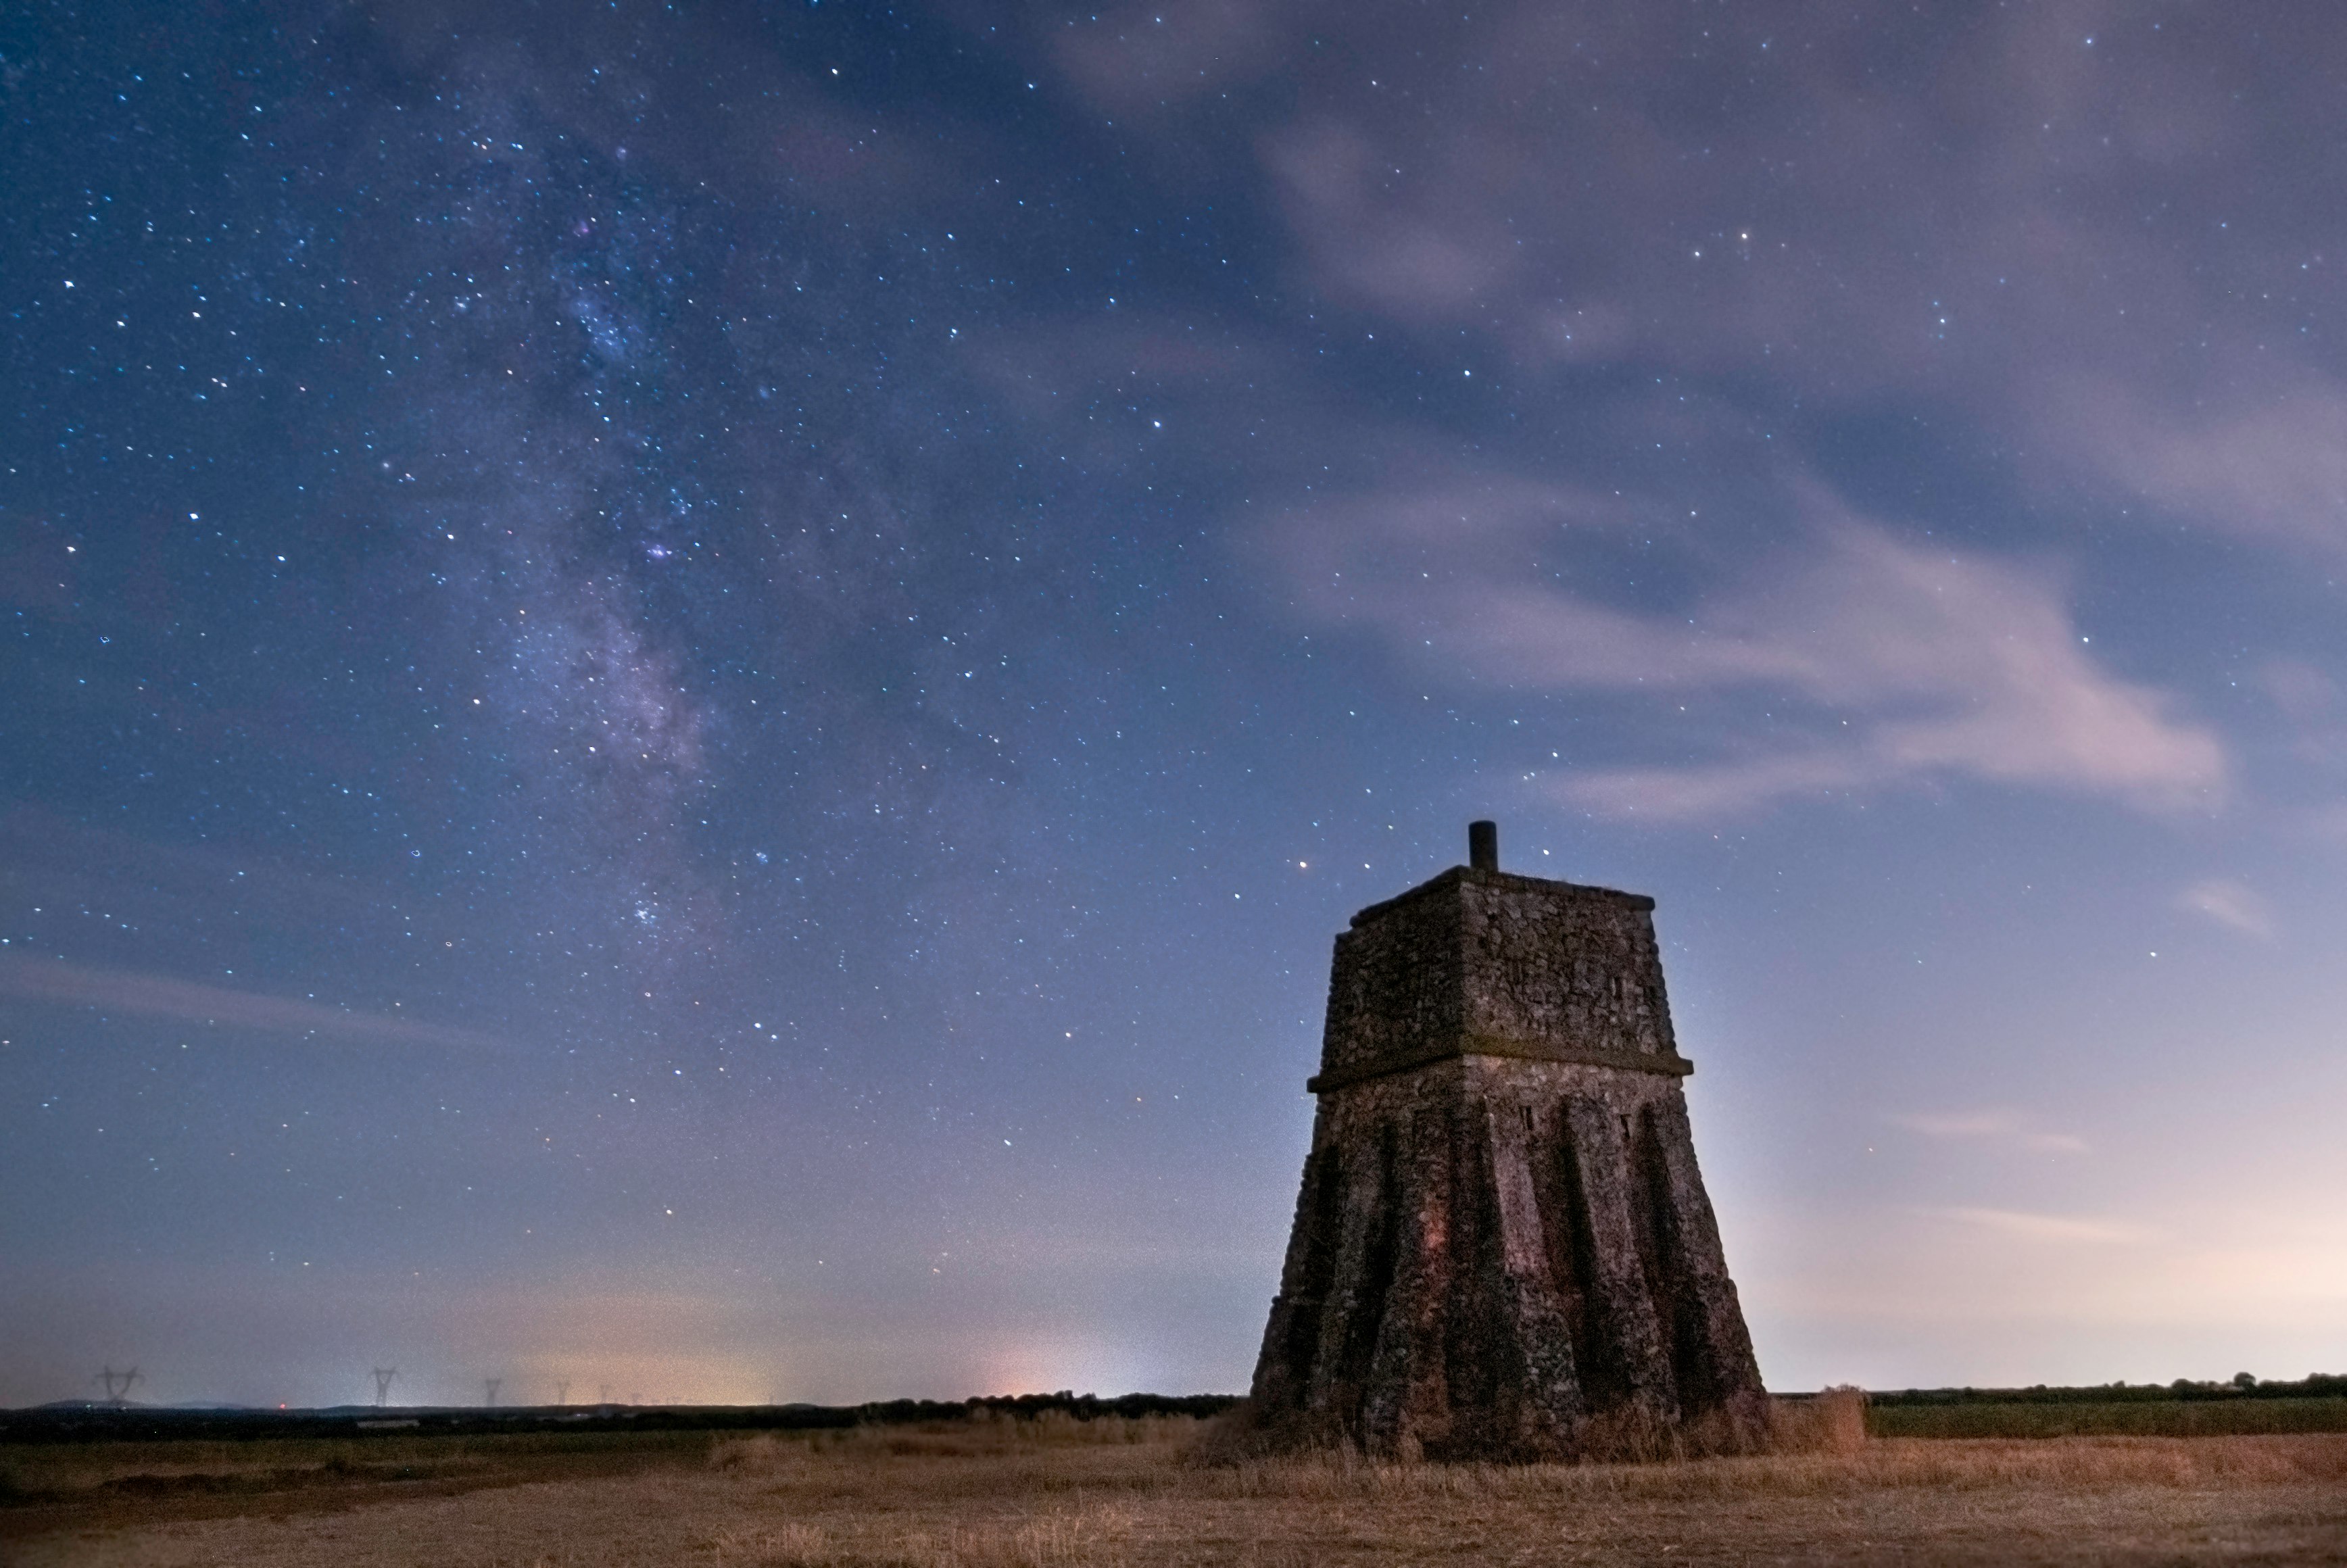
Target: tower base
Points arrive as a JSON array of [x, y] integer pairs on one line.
[[1503, 1258]]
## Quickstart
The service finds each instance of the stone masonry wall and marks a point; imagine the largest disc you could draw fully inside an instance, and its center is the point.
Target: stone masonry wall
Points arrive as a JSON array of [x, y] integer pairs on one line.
[[1518, 960], [1490, 1255], [1396, 987], [1545, 961]]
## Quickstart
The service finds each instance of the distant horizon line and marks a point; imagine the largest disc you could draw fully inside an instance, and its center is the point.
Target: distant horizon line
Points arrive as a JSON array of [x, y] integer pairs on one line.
[[2316, 1385]]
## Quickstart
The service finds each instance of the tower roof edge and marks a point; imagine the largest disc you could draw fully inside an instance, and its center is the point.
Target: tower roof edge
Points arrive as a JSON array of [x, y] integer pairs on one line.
[[1461, 874]]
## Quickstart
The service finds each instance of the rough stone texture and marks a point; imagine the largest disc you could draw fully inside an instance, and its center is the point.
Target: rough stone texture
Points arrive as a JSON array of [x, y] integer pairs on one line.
[[1502, 1248]]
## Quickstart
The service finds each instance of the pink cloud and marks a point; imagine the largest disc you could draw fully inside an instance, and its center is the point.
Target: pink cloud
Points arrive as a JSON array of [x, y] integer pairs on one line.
[[2231, 904], [2058, 1229], [63, 984], [2000, 1126]]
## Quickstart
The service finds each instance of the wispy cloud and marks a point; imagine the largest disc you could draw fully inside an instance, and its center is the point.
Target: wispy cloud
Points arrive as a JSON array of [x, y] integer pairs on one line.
[[2268, 462], [2231, 904], [1966, 227], [188, 1001], [1896, 662], [1180, 52], [1992, 1125], [2063, 1228]]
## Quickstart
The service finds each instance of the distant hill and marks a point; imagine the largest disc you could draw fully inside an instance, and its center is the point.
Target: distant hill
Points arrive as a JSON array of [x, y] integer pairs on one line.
[[72, 1405]]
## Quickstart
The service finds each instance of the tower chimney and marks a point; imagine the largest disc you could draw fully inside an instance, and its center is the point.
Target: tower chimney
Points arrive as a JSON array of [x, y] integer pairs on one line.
[[1483, 845]]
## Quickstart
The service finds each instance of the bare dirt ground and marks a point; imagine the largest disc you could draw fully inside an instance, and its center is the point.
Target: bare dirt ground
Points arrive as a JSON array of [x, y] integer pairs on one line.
[[1008, 1494]]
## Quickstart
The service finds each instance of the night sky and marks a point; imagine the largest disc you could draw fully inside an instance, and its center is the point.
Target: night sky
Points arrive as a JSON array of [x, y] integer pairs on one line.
[[688, 693]]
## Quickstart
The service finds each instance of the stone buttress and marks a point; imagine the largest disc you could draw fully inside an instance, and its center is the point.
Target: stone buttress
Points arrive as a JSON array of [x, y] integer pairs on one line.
[[1502, 1248]]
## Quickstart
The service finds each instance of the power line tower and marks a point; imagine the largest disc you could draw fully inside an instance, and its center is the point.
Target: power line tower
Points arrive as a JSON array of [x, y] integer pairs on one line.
[[118, 1384], [383, 1377], [491, 1384], [562, 1393]]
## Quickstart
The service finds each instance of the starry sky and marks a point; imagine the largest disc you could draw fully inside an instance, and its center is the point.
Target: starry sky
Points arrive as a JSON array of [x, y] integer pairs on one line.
[[688, 692]]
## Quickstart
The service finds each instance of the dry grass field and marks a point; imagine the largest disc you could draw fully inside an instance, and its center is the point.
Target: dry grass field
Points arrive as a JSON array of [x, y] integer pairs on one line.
[[1011, 1493]]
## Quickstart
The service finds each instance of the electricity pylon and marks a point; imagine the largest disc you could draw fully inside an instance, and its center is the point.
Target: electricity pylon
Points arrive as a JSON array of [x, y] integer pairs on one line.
[[491, 1384], [562, 1394], [383, 1377], [118, 1384]]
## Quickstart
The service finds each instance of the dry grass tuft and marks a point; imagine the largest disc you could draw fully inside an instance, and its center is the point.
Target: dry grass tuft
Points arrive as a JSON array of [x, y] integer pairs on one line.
[[983, 1434], [1832, 1422], [783, 1546], [1047, 1541]]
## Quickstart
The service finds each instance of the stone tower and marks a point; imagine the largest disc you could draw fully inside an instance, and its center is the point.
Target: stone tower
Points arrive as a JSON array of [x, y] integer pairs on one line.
[[1502, 1248]]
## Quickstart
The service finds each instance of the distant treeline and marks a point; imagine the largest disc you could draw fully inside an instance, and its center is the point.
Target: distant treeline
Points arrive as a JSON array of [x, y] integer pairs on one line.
[[1082, 1407], [2314, 1386], [93, 1422]]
